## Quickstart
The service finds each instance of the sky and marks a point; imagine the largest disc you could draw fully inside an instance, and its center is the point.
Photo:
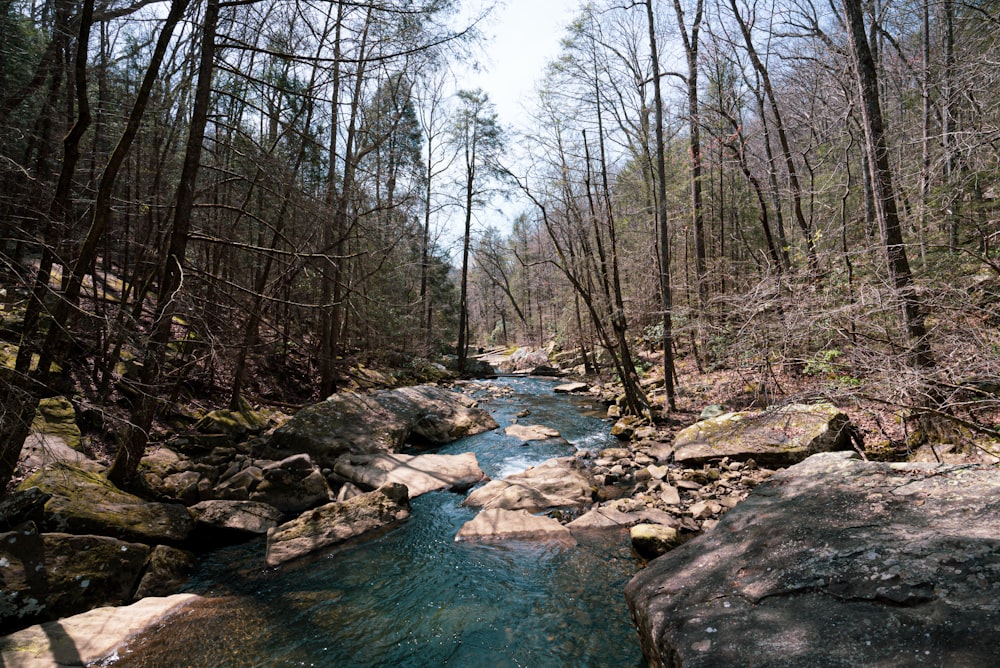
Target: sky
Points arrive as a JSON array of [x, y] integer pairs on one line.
[[522, 37]]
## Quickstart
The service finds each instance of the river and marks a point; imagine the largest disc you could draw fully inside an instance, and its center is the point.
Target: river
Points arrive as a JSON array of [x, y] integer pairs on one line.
[[415, 597]]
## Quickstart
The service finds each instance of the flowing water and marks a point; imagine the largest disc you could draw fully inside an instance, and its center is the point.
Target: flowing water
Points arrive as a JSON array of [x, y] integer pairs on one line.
[[415, 597]]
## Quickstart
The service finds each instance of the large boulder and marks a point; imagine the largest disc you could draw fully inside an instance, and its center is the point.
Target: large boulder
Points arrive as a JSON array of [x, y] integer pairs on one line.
[[501, 524], [835, 562], [420, 473], [337, 522], [87, 638], [350, 423], [84, 502], [777, 437], [51, 575], [555, 483]]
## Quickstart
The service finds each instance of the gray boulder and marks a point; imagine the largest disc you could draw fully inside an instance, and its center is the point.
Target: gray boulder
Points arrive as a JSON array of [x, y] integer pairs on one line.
[[835, 562], [84, 502], [250, 517], [775, 438], [350, 423], [420, 473], [337, 522], [555, 483]]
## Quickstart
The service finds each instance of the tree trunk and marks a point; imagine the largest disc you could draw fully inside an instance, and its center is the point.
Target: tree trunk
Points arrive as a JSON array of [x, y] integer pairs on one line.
[[666, 297], [882, 187], [123, 469]]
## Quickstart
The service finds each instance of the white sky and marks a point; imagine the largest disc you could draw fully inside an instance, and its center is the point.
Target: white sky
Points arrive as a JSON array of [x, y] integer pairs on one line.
[[523, 36]]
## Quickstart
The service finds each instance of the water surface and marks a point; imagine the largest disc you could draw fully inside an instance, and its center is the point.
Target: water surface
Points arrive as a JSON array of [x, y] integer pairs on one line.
[[415, 597]]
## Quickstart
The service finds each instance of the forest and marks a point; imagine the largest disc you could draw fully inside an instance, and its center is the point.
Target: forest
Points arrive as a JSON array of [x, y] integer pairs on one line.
[[244, 201]]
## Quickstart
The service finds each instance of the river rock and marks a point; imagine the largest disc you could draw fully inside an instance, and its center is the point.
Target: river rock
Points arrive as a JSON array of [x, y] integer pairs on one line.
[[652, 540], [777, 438], [350, 423], [292, 485], [555, 483], [531, 432], [571, 388], [420, 473], [249, 517], [84, 502], [87, 638], [835, 562], [165, 571], [502, 524], [337, 522], [50, 575]]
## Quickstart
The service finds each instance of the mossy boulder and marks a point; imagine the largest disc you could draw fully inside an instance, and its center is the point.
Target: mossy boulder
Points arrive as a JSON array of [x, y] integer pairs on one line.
[[84, 502], [166, 570], [652, 540], [50, 575], [237, 423], [337, 522], [777, 437], [55, 416]]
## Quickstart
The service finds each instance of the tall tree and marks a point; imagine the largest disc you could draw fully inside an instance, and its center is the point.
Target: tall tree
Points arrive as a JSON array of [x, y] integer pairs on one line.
[[883, 189], [480, 139]]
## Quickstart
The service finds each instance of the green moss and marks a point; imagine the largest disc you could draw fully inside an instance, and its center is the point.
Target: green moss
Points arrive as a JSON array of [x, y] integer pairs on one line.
[[57, 417]]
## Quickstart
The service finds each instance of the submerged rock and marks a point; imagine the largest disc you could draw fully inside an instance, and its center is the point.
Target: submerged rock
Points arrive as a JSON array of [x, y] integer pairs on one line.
[[85, 639], [420, 473], [778, 438], [834, 562], [555, 483], [337, 522]]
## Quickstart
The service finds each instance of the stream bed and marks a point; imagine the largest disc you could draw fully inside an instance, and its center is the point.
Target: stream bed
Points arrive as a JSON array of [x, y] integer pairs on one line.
[[415, 597]]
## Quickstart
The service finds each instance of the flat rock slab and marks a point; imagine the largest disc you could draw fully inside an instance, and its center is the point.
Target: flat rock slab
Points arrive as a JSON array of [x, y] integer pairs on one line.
[[420, 473], [569, 388], [88, 637], [350, 423], [337, 522], [555, 483], [774, 438], [531, 432], [500, 524], [835, 562]]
